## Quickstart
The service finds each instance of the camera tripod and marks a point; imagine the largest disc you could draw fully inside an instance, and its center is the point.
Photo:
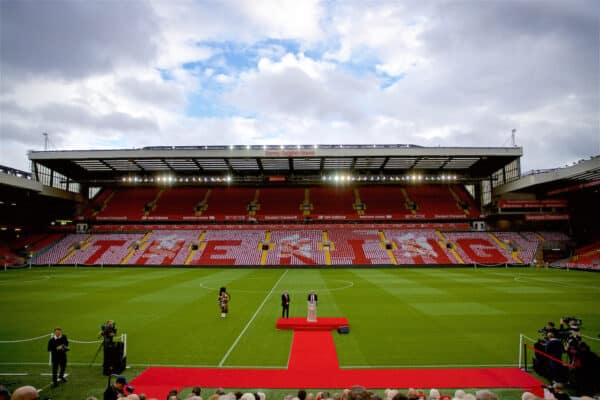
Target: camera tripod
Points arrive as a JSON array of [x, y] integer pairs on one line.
[[97, 352]]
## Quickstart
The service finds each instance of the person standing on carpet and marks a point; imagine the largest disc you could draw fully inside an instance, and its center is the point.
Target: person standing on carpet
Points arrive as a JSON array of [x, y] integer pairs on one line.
[[313, 300], [224, 301], [58, 345], [285, 304]]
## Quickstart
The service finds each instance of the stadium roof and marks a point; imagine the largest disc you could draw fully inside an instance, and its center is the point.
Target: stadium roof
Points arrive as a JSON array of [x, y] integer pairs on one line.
[[585, 173], [269, 160]]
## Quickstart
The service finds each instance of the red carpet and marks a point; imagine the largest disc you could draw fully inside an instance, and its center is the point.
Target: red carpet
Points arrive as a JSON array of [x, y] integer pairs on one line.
[[301, 324], [314, 364]]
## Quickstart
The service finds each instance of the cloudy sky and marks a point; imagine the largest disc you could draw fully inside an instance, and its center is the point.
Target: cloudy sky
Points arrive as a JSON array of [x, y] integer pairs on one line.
[[115, 74]]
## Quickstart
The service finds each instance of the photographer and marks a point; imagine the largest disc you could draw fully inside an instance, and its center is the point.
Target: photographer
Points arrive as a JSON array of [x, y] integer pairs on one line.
[[116, 390], [108, 331], [58, 345]]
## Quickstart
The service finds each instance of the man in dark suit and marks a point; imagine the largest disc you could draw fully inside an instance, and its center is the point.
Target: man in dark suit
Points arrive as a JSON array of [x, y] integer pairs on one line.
[[313, 299], [58, 345], [285, 304]]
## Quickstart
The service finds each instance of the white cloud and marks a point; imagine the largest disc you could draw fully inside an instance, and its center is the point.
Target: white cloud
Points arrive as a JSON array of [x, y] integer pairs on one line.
[[429, 73]]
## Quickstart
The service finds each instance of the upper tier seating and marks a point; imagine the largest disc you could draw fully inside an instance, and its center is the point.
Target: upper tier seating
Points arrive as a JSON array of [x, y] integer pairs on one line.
[[165, 247], [296, 247], [230, 247], [177, 203], [419, 247], [128, 203], [357, 247], [382, 200], [280, 203], [229, 203], [332, 201], [435, 201], [97, 202], [467, 199]]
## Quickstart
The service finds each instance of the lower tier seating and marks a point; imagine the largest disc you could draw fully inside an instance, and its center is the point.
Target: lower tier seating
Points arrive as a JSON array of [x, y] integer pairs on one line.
[[289, 246], [295, 247]]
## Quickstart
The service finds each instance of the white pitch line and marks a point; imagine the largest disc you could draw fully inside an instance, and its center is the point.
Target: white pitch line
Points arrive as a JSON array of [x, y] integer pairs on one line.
[[13, 374], [251, 319]]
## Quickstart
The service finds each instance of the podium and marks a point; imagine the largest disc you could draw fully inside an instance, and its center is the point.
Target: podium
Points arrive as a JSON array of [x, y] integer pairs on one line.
[[312, 311]]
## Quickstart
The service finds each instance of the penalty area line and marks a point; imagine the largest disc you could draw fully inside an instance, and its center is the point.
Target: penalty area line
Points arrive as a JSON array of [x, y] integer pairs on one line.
[[251, 319]]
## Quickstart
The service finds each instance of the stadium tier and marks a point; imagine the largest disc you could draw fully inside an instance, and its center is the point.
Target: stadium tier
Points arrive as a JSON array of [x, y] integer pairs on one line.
[[287, 245], [439, 202]]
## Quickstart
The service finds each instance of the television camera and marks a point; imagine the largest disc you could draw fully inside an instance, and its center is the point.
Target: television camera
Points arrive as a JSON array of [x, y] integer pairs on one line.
[[568, 327]]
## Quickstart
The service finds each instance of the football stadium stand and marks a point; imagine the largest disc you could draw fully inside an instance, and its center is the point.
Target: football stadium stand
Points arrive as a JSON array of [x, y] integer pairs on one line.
[[343, 205]]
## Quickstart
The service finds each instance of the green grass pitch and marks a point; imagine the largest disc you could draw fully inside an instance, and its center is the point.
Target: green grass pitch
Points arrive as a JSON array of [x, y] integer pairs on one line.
[[404, 317]]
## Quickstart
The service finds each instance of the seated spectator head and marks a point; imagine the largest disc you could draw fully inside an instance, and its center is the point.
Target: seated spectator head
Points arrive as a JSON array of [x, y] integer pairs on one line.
[[470, 396], [173, 394], [399, 396], [485, 395], [412, 393], [434, 394], [358, 393], [528, 396], [25, 393], [389, 394], [197, 390], [302, 394], [261, 395], [459, 394], [247, 396]]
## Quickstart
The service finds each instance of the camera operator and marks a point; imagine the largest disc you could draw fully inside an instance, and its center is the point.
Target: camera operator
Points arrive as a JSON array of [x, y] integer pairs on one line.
[[554, 348], [572, 345], [108, 331], [58, 345]]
